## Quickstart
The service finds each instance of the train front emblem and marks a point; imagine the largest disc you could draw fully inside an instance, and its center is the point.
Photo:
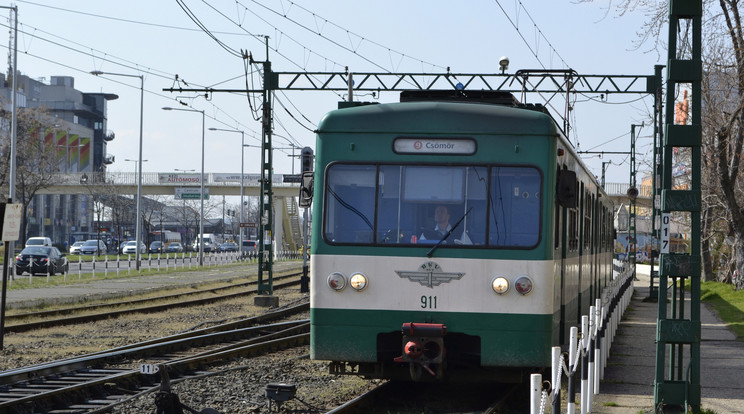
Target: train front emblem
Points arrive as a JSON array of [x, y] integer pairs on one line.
[[430, 274]]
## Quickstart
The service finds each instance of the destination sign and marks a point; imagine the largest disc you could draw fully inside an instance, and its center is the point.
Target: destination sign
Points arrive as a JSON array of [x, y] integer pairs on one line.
[[422, 145]]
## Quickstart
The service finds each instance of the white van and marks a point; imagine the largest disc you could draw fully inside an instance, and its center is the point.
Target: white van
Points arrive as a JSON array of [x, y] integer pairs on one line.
[[209, 240], [39, 241]]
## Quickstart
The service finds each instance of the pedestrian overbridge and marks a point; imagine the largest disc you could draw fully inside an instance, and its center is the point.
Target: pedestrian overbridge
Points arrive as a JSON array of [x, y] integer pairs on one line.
[[284, 185], [218, 184], [618, 192], [154, 183], [286, 189]]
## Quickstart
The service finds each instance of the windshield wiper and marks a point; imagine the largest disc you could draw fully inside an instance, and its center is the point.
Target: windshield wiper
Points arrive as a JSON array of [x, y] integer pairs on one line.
[[431, 251], [351, 208]]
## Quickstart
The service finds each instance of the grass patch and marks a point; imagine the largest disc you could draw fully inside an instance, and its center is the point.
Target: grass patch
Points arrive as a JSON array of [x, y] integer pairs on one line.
[[727, 302]]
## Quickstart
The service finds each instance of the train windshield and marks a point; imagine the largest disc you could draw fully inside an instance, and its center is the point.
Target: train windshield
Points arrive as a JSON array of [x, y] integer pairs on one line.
[[459, 206]]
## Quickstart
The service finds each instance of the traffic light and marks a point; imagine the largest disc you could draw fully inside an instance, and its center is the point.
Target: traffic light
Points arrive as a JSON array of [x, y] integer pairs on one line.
[[307, 159]]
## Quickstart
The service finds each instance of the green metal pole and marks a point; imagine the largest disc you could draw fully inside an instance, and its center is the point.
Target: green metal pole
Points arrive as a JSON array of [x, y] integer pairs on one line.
[[266, 204]]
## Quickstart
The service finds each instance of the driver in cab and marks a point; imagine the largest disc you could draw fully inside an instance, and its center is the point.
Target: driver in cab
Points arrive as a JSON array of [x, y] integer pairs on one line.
[[442, 227]]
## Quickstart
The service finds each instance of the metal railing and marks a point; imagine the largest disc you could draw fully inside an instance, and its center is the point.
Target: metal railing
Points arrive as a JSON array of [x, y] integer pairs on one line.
[[160, 178], [153, 263], [589, 350]]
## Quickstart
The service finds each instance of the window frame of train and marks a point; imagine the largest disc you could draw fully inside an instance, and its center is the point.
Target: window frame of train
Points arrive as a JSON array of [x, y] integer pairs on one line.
[[393, 204]]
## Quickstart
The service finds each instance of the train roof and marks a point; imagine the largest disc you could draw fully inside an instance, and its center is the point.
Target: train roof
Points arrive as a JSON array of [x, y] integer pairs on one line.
[[451, 117], [452, 113]]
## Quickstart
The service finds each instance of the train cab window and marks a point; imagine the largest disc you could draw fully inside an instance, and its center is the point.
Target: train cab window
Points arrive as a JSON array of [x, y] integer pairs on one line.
[[514, 206], [420, 204], [410, 205], [350, 204]]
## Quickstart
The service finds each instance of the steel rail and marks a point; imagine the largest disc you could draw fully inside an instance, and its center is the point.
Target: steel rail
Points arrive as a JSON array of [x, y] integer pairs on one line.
[[24, 327], [76, 376], [352, 405], [39, 370]]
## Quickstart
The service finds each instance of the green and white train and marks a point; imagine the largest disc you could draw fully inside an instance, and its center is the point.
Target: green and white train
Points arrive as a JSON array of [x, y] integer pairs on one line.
[[527, 249]]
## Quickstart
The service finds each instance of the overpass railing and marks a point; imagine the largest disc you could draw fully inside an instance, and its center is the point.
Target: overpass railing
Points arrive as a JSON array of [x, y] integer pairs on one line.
[[621, 189], [167, 179]]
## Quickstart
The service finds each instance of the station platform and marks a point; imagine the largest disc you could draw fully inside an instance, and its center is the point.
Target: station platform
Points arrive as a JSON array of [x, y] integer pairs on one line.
[[628, 383]]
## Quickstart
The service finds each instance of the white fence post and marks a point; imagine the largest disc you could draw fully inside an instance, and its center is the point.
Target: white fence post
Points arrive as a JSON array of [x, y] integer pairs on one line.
[[590, 353], [584, 363], [597, 345], [573, 359], [556, 374], [535, 393]]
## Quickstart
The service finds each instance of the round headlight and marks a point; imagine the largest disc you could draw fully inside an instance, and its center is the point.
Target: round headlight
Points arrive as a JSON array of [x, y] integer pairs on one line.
[[523, 284], [500, 285], [336, 281], [358, 281]]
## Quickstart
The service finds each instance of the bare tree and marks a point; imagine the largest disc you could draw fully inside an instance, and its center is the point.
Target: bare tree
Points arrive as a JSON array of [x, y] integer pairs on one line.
[[722, 241], [104, 194], [36, 162], [153, 209]]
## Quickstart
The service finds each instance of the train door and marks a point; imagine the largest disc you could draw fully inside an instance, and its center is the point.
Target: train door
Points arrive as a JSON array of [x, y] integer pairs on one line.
[[565, 243]]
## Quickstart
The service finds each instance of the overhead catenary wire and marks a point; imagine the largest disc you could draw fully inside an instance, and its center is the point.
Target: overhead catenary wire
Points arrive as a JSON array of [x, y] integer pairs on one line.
[[204, 28], [117, 81], [347, 31], [516, 27]]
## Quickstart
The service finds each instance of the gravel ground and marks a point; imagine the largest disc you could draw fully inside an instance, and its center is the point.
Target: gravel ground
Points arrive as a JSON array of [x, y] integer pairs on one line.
[[239, 390], [242, 388]]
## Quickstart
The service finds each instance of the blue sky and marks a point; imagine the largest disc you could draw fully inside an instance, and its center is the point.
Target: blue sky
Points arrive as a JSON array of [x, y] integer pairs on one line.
[[160, 41]]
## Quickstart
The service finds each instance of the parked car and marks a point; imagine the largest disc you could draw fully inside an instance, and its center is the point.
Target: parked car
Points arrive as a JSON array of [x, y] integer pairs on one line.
[[41, 259], [229, 247], [174, 247], [249, 246], [75, 248], [156, 247], [93, 247], [130, 247], [39, 241]]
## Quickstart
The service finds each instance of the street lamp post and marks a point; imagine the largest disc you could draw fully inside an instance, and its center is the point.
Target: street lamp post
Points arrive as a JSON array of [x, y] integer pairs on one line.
[[138, 230], [137, 219], [201, 181], [10, 246], [242, 179]]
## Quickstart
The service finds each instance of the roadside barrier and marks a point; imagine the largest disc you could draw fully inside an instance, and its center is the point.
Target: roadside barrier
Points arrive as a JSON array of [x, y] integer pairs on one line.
[[155, 262], [589, 350]]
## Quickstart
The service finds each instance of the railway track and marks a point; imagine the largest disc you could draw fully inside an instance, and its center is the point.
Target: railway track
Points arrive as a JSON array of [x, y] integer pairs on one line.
[[413, 398], [96, 382], [89, 313]]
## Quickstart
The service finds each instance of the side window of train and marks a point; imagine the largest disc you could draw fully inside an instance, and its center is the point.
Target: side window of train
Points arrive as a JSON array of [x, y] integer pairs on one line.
[[559, 223], [567, 189], [557, 227], [587, 220]]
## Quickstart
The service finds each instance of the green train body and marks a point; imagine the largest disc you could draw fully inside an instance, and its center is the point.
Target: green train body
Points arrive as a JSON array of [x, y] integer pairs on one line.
[[531, 251]]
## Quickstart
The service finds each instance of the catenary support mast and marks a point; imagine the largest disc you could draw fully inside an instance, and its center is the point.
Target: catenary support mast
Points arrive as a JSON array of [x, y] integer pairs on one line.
[[677, 379]]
